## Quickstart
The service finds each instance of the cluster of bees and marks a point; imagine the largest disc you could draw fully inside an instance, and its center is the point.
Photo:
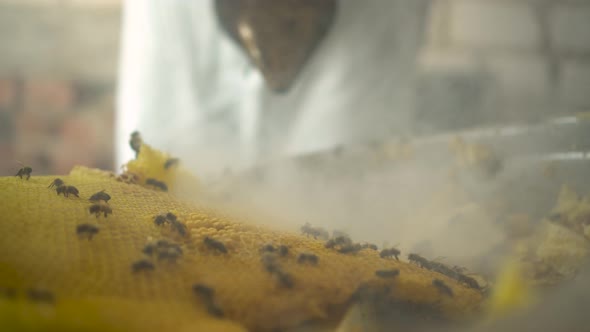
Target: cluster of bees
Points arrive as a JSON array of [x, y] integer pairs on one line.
[[163, 250], [455, 272], [271, 255], [170, 251], [34, 295], [135, 142], [99, 206], [161, 185], [99, 200], [270, 262], [343, 244], [171, 220]]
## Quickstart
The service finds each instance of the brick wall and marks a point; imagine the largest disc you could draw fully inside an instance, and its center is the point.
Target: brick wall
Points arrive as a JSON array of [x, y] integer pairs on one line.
[[523, 59], [484, 61], [58, 63]]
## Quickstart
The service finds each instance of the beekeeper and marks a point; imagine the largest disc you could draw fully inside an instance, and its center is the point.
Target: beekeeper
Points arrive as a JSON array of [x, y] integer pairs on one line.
[[199, 93]]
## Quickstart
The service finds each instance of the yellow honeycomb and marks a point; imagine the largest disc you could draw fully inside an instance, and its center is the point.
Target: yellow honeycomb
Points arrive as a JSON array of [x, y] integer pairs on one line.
[[95, 288]]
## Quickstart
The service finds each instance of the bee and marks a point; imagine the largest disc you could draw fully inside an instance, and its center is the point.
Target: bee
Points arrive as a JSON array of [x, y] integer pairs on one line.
[[164, 218], [268, 248], [468, 281], [442, 269], [308, 258], [206, 294], [142, 265], [270, 263], [341, 240], [87, 229], [214, 244], [337, 233], [350, 248], [24, 171], [179, 227], [160, 220], [40, 295], [149, 249], [391, 252], [370, 246], [158, 184], [170, 254], [135, 142], [100, 196], [56, 183], [419, 260], [162, 246], [170, 218], [316, 232], [283, 250], [285, 279], [442, 287], [171, 162], [204, 291], [67, 191], [387, 273], [99, 208], [330, 244]]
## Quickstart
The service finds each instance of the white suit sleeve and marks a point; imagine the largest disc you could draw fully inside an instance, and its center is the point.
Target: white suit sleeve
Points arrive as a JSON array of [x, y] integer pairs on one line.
[[182, 85]]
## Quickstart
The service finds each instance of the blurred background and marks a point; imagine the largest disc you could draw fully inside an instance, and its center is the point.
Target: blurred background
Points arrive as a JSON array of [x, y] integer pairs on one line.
[[481, 61], [58, 74]]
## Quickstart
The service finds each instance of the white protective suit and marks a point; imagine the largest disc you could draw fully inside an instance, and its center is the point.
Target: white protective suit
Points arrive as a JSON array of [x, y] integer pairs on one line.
[[192, 92]]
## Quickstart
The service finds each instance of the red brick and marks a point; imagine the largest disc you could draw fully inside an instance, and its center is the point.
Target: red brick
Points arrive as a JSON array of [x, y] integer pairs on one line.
[[69, 154], [31, 124], [77, 145], [48, 95], [7, 94], [79, 130]]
